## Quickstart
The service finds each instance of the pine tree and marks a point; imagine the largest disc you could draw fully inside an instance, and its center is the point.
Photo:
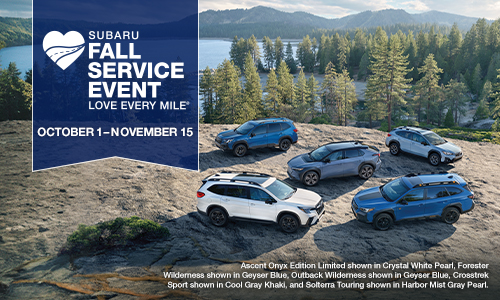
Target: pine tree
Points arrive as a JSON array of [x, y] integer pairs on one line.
[[346, 97], [312, 92], [252, 97], [328, 91], [272, 98], [482, 111], [476, 80], [207, 95], [15, 95], [254, 49], [229, 106], [389, 67], [268, 52], [448, 120], [427, 88], [279, 51], [290, 61], [301, 88], [457, 100], [285, 84]]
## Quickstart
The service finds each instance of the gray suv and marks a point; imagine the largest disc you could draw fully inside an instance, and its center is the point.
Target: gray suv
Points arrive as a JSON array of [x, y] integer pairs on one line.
[[337, 159], [422, 142]]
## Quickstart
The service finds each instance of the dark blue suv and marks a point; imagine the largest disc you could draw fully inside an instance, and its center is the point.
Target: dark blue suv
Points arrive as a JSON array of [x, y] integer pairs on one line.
[[270, 132], [414, 196]]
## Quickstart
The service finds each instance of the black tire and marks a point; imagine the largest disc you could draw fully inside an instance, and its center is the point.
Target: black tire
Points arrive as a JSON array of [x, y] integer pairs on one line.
[[366, 171], [285, 144], [240, 150], [310, 178], [383, 221], [218, 217], [450, 215], [289, 223], [434, 159], [394, 148]]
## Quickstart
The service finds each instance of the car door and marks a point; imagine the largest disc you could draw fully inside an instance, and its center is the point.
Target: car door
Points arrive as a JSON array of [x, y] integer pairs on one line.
[[419, 145], [411, 205], [258, 137], [351, 162], [436, 199], [332, 165], [405, 140], [236, 201], [274, 134], [262, 205]]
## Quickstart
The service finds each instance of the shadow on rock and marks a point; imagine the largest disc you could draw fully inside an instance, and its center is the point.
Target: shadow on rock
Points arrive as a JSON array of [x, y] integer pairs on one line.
[[358, 242], [221, 159]]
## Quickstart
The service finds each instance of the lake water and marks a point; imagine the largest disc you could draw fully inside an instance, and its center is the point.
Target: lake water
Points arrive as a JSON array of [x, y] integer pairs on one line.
[[20, 55]]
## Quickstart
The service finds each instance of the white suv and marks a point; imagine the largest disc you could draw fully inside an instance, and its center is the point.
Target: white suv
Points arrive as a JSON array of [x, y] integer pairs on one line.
[[260, 198]]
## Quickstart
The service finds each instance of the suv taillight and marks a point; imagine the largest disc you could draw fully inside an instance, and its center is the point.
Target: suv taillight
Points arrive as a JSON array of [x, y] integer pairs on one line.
[[200, 194], [376, 154], [295, 130], [388, 134], [471, 196]]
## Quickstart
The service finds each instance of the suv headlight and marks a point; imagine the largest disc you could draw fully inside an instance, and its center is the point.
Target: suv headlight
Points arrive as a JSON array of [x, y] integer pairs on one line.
[[366, 210], [305, 209], [297, 169], [228, 141], [447, 153]]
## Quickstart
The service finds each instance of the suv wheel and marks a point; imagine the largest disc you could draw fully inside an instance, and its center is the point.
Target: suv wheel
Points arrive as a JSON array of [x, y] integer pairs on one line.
[[366, 172], [240, 150], [289, 223], [434, 159], [450, 215], [383, 221], [218, 217], [310, 178], [285, 144], [394, 148]]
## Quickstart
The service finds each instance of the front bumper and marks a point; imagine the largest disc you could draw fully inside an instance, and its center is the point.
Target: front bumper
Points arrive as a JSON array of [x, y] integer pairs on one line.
[[451, 158], [223, 147], [360, 216], [313, 220], [293, 174]]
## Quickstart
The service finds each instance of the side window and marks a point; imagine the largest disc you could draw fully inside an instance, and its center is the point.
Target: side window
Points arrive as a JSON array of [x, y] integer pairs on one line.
[[236, 191], [217, 189], [415, 195], [274, 127], [258, 194], [351, 153], [260, 130], [361, 152], [418, 138], [404, 134], [337, 155], [285, 126], [436, 192], [453, 190]]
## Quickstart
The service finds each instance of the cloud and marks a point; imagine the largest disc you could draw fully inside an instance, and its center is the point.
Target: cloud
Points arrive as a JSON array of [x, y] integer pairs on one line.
[[417, 5], [15, 8]]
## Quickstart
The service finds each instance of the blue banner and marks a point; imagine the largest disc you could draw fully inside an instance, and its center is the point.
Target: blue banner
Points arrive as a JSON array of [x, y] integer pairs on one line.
[[115, 79]]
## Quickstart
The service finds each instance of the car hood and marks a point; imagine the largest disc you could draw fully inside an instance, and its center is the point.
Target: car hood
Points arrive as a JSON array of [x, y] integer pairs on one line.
[[449, 147], [228, 134], [304, 198], [368, 197], [300, 161]]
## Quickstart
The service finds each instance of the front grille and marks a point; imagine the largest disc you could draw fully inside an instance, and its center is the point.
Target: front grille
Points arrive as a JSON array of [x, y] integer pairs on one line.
[[218, 139], [459, 154], [354, 204]]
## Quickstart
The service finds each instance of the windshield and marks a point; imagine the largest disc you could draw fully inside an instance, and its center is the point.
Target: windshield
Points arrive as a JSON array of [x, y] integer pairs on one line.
[[319, 153], [245, 128], [434, 138], [393, 190], [281, 189]]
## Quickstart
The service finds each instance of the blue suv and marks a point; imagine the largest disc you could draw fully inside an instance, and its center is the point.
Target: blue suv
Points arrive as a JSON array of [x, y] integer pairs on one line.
[[414, 196], [269, 132]]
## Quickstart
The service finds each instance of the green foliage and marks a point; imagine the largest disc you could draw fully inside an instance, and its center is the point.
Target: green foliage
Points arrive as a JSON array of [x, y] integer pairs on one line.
[[321, 119], [471, 135], [482, 111], [110, 234], [15, 32], [290, 61], [496, 125], [448, 120], [15, 95]]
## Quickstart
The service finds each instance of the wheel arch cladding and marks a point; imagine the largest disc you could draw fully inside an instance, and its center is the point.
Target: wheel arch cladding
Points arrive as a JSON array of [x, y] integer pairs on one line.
[[211, 207], [456, 205], [361, 165], [315, 169], [432, 152], [286, 212], [390, 212]]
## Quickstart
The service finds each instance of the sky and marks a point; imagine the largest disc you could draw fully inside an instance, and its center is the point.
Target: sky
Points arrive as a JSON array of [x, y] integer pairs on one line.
[[489, 9]]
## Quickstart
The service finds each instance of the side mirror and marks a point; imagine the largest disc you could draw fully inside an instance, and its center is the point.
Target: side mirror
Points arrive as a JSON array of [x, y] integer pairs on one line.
[[404, 202], [270, 201], [326, 160], [252, 134], [424, 143]]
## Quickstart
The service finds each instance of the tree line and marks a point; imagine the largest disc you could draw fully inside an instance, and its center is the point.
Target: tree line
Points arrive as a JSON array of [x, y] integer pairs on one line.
[[16, 94], [424, 78]]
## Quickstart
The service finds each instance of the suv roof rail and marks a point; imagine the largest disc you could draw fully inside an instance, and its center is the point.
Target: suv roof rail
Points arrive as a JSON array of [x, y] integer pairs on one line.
[[436, 183], [355, 142], [234, 180], [242, 172], [270, 119], [430, 173], [408, 127]]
